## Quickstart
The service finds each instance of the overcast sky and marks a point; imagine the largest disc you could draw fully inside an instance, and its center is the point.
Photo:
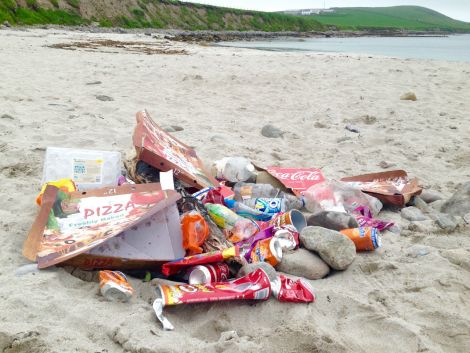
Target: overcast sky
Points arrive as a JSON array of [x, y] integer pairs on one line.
[[458, 9]]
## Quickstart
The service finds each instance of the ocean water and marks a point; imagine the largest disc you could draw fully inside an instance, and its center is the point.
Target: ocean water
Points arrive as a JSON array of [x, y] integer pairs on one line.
[[451, 48]]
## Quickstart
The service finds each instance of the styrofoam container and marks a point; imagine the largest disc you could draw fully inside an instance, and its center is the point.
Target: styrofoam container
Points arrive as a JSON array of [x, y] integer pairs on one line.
[[89, 169]]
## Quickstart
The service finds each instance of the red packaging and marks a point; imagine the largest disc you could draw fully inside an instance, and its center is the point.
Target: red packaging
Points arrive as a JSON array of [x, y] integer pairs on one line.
[[287, 290], [173, 267], [255, 285], [297, 179]]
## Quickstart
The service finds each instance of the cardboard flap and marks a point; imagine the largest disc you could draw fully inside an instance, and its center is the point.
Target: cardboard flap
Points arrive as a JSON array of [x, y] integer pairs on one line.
[[161, 150], [296, 179], [69, 224]]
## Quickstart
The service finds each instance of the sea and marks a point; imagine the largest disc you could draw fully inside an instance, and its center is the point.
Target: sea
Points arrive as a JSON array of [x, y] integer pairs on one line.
[[449, 48]]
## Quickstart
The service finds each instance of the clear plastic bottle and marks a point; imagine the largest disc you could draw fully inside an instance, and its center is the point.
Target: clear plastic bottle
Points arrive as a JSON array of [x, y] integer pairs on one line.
[[246, 211], [246, 191], [234, 169], [240, 228]]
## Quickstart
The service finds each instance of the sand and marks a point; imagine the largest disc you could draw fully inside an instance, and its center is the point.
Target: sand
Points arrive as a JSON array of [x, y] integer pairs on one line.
[[406, 297]]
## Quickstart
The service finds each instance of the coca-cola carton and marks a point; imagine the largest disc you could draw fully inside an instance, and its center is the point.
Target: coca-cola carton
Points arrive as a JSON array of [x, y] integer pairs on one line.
[[297, 179]]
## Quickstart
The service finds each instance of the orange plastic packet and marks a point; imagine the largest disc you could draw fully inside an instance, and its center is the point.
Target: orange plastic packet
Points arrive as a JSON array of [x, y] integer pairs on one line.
[[195, 232]]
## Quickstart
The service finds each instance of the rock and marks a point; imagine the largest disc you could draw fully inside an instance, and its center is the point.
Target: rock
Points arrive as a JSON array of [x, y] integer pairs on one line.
[[437, 205], [93, 83], [271, 131], [446, 222], [408, 96], [459, 203], [459, 257], [421, 205], [173, 128], [427, 226], [303, 263], [466, 218], [334, 248], [7, 116], [248, 268], [104, 98], [413, 214], [352, 128], [429, 196], [6, 24], [319, 125], [385, 165], [332, 220], [418, 251]]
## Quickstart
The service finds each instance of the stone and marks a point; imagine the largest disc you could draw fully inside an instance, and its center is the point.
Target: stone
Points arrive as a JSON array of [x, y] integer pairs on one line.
[[7, 116], [248, 268], [320, 125], [429, 196], [332, 220], [6, 24], [93, 83], [419, 203], [413, 214], [271, 131], [408, 96], [386, 165], [459, 203], [104, 98], [446, 222], [336, 249], [352, 128], [173, 128], [427, 226], [416, 251], [303, 263], [437, 205]]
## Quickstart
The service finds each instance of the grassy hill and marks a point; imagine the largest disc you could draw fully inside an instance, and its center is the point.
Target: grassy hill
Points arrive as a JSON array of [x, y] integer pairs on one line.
[[395, 17], [148, 13]]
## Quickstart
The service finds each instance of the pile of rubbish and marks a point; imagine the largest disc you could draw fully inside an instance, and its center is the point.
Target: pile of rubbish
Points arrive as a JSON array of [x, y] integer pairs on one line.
[[217, 235]]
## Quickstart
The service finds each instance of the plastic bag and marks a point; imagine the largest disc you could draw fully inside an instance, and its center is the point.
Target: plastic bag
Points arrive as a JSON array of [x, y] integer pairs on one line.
[[195, 232], [332, 195]]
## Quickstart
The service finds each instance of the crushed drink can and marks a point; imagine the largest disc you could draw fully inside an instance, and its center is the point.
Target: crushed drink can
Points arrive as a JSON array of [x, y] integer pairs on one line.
[[267, 250], [218, 272], [365, 238], [288, 237], [255, 285], [287, 290], [293, 217], [114, 286]]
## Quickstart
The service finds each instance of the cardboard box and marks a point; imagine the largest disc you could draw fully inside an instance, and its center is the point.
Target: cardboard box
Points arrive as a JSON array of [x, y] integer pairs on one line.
[[130, 226], [156, 147]]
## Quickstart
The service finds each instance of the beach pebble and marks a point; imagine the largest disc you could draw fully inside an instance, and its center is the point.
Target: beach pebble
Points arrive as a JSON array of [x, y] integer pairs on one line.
[[418, 251], [385, 165], [419, 203], [7, 116], [408, 96], [429, 196], [352, 128], [446, 222], [459, 203], [320, 125], [332, 220], [248, 268], [93, 83], [271, 131], [437, 205], [427, 226], [334, 248], [6, 24], [413, 214], [104, 98], [173, 128], [303, 263]]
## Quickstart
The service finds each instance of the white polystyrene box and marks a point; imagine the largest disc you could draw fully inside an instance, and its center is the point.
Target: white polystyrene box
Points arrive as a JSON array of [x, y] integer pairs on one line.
[[89, 169]]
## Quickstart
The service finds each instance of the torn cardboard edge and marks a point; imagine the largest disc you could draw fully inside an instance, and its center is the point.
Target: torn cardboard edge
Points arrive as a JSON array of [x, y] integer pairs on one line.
[[392, 187], [70, 224], [161, 150]]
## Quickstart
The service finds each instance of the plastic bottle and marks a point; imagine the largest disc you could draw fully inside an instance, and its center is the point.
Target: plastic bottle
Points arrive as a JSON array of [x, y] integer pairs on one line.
[[234, 169], [246, 211], [195, 231], [246, 191], [239, 228]]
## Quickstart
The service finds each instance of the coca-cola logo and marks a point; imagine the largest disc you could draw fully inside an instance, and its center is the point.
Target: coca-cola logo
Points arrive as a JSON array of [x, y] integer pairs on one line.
[[297, 176]]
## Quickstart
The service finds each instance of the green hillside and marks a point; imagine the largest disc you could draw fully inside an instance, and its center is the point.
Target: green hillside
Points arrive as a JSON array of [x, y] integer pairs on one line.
[[149, 13], [396, 17]]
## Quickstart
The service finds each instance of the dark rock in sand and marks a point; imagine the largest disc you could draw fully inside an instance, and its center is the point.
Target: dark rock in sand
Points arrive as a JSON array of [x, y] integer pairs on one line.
[[303, 263], [413, 214], [336, 249], [104, 98], [271, 131], [429, 196], [332, 220], [459, 203]]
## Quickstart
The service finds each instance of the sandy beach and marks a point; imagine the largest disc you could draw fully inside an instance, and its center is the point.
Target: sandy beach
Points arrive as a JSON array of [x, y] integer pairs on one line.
[[412, 295]]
